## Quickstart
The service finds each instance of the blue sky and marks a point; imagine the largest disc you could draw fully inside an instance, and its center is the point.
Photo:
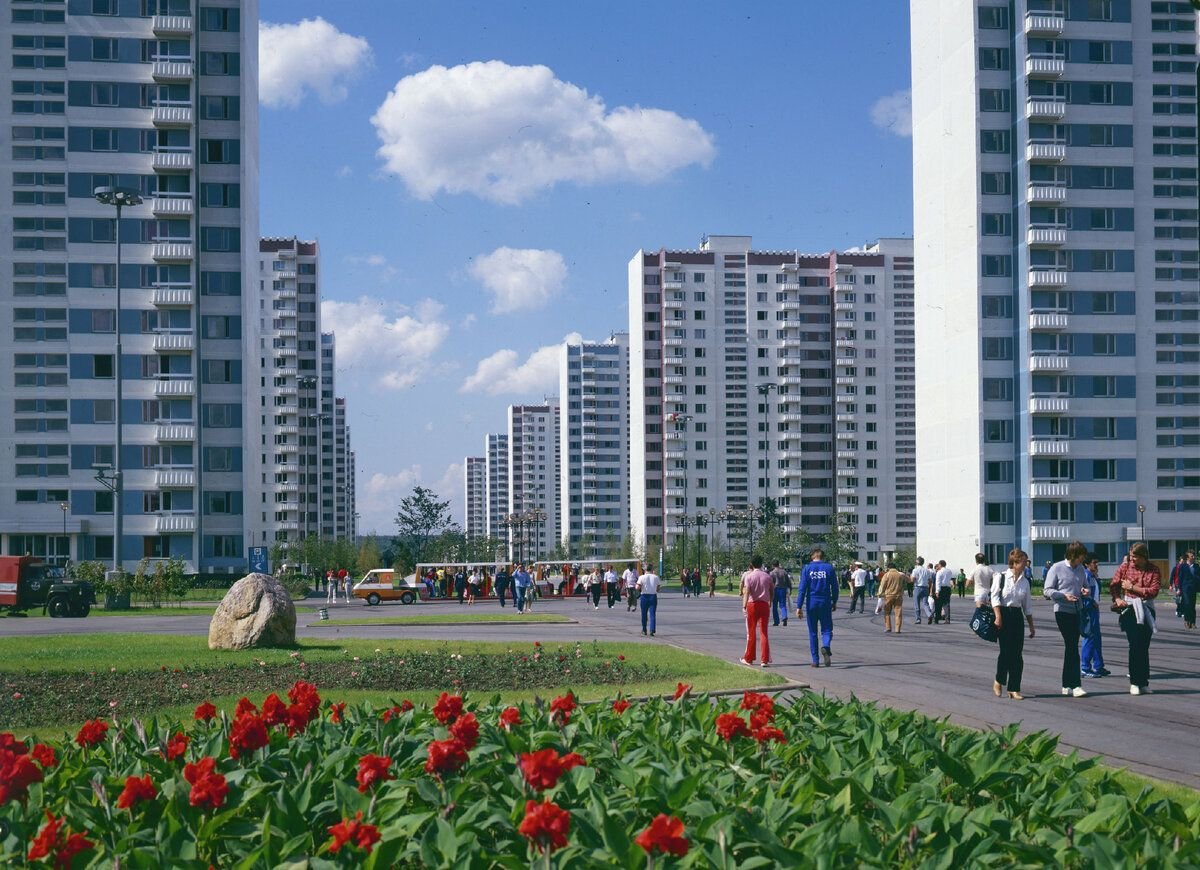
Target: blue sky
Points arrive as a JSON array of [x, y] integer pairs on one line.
[[479, 175]]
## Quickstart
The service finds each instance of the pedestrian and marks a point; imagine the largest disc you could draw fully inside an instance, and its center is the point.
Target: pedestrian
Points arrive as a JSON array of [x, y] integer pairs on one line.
[[647, 589], [347, 583], [1189, 584], [1092, 661], [818, 594], [981, 581], [594, 581], [873, 573], [712, 583], [1011, 600], [945, 587], [611, 588], [629, 577], [758, 596], [1134, 587], [696, 582], [961, 581], [521, 581], [922, 578], [460, 583], [891, 593], [1064, 582], [331, 588], [473, 583], [685, 582], [502, 584], [779, 599], [1174, 584], [858, 588]]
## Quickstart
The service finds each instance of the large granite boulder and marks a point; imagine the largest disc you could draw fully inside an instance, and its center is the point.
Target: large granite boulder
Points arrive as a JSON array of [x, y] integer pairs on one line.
[[256, 612]]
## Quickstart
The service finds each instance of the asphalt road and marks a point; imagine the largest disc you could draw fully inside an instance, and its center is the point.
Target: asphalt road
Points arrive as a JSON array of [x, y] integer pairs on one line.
[[938, 670]]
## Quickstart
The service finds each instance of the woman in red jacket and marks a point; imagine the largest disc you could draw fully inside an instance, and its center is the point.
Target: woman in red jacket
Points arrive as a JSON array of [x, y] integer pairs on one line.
[[1133, 588]]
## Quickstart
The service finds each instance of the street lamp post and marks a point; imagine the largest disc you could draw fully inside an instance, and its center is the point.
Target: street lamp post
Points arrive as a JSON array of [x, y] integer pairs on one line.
[[701, 520], [684, 522], [712, 555], [1142, 520], [64, 507], [765, 390], [120, 197]]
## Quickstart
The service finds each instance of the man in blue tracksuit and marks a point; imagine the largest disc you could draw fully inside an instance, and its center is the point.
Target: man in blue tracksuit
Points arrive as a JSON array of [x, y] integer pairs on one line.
[[818, 594]]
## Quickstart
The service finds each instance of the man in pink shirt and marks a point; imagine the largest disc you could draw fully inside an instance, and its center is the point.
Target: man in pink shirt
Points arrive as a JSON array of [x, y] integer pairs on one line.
[[757, 590]]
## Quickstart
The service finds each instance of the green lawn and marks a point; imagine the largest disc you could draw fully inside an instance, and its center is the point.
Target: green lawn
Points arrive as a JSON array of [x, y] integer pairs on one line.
[[448, 619]]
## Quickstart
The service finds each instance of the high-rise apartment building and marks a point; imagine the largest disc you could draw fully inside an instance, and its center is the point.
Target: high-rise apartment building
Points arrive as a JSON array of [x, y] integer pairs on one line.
[[475, 496], [496, 485], [533, 478], [160, 96], [773, 375], [594, 445], [1055, 190], [345, 525]]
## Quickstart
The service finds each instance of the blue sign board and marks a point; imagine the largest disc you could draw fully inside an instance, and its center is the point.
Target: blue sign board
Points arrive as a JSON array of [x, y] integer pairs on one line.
[[260, 562]]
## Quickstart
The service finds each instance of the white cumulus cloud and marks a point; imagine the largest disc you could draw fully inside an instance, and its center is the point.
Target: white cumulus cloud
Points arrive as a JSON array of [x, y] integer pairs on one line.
[[505, 133], [520, 279], [379, 497], [503, 372], [893, 113], [392, 342], [312, 56]]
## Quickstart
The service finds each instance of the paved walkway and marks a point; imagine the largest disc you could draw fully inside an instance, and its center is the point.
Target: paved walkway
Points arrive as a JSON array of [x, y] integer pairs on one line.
[[941, 671]]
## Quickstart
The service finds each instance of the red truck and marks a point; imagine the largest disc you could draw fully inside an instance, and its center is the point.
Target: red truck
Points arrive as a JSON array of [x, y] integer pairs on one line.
[[24, 585]]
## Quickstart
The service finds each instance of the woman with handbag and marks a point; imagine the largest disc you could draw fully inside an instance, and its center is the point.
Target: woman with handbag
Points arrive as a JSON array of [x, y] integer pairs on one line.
[[1011, 600], [1133, 588]]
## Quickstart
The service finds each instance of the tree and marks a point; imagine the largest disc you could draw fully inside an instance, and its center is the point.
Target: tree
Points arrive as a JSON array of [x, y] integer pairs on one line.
[[840, 543], [368, 555], [420, 517]]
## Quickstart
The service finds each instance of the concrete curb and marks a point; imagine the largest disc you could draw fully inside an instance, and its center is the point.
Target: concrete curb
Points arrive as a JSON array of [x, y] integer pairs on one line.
[[419, 624]]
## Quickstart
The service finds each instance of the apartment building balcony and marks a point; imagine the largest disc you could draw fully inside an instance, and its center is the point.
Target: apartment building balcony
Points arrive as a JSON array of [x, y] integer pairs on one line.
[[790, 305], [1048, 446], [288, 526], [175, 433], [845, 342], [1047, 277], [674, 491], [844, 324], [171, 252], [1046, 236], [285, 389], [675, 451], [171, 115], [790, 286], [845, 361], [674, 341], [1050, 532], [287, 429], [174, 387], [844, 287], [845, 418], [1044, 489], [672, 283], [1042, 192], [1051, 321], [172, 206], [172, 295], [175, 478], [287, 410], [1046, 150], [285, 292], [285, 331], [791, 418], [287, 466], [847, 490], [846, 472], [674, 379], [1045, 108], [177, 70], [842, 305], [788, 473], [1045, 65], [674, 300], [286, 448], [287, 487], [168, 159], [1049, 405], [168, 523], [1039, 23], [844, 381], [1048, 362], [791, 453], [171, 340], [843, 435], [171, 25], [285, 371]]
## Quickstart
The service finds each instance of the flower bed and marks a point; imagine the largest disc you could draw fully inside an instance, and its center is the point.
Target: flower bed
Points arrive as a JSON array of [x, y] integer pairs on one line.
[[741, 782]]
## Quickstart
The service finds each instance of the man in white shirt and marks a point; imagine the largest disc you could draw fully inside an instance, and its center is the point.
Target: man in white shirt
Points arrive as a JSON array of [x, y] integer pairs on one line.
[[945, 587], [922, 577], [629, 579], [647, 587], [981, 581], [611, 587], [858, 587]]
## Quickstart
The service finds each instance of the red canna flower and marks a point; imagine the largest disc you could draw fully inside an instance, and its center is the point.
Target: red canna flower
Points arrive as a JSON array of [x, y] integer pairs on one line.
[[176, 746], [248, 733], [244, 706], [466, 729], [17, 774], [91, 733], [448, 708], [305, 706], [509, 717], [353, 831], [336, 712], [767, 733], [44, 755], [620, 706], [760, 718], [446, 756], [8, 741], [274, 711], [681, 689], [546, 825], [137, 789], [406, 705], [562, 707], [758, 701], [205, 712], [542, 769], [373, 769], [209, 788], [620, 658], [573, 759], [664, 834], [53, 842], [731, 725]]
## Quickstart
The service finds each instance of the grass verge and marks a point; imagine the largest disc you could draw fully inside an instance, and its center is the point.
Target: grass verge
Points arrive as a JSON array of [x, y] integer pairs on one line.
[[449, 619]]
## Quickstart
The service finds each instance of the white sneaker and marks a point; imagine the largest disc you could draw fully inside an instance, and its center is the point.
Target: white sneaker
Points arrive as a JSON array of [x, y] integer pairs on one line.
[[1135, 690], [1079, 692], [1066, 691]]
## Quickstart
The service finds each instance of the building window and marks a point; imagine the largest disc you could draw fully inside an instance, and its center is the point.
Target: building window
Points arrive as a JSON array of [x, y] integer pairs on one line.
[[997, 431], [993, 58], [993, 141], [995, 183], [993, 18], [998, 513], [996, 306], [993, 100], [997, 265], [997, 224], [997, 389]]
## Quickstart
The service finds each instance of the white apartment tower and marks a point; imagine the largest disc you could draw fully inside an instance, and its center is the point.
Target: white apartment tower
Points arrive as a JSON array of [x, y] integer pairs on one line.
[[1055, 190], [344, 525], [761, 377], [594, 445], [533, 479], [496, 486], [162, 97], [475, 496]]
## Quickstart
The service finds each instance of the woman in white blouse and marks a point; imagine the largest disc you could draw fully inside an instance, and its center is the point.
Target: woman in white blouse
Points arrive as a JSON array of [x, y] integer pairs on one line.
[[1011, 600]]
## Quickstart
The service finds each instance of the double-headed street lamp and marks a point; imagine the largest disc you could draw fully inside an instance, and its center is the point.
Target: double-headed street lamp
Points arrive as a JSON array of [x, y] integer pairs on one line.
[[1142, 520], [119, 197]]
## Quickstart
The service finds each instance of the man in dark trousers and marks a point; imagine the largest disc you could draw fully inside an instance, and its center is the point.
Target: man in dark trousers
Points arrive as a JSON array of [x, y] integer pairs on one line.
[[783, 589], [460, 582], [502, 584]]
